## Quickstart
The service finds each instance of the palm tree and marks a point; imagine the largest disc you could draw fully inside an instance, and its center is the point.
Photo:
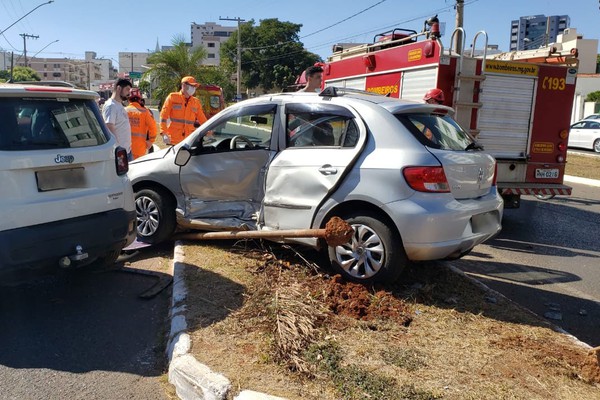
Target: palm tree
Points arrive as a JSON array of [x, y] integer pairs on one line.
[[168, 67]]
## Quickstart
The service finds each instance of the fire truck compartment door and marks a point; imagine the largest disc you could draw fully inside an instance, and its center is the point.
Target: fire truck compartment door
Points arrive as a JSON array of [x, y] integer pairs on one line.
[[416, 82], [506, 114]]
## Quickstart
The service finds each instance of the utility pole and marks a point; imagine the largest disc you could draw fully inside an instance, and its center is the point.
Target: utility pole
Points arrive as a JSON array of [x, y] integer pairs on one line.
[[239, 54], [460, 5], [25, 36]]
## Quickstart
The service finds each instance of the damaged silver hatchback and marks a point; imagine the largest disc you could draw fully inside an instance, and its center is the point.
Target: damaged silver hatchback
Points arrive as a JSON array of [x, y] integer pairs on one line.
[[413, 185]]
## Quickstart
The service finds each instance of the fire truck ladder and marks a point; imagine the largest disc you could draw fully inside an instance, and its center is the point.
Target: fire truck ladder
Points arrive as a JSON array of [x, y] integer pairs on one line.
[[467, 82]]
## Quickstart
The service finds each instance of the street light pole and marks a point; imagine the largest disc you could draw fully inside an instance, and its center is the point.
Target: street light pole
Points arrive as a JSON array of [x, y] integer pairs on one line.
[[44, 48], [43, 4], [239, 54]]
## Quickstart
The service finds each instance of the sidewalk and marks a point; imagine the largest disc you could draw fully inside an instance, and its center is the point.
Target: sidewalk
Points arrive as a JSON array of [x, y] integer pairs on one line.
[[583, 181]]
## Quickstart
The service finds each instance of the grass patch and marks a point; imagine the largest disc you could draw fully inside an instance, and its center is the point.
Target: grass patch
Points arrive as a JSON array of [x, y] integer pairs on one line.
[[354, 382], [583, 166], [271, 320]]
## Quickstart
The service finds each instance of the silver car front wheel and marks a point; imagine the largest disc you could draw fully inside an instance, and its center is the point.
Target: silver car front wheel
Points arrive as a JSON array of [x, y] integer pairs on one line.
[[155, 214], [375, 252]]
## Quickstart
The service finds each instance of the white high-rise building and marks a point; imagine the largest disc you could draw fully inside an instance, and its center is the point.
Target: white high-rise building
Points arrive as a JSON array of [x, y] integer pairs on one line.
[[210, 36]]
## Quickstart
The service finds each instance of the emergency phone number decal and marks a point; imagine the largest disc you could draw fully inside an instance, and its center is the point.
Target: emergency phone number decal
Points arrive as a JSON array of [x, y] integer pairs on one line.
[[549, 83]]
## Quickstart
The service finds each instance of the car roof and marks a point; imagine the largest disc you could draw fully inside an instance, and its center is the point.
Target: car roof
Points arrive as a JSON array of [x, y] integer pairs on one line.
[[36, 90], [391, 104]]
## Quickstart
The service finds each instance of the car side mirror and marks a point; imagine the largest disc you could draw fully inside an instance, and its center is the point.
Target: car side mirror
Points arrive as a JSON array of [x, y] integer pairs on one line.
[[183, 156]]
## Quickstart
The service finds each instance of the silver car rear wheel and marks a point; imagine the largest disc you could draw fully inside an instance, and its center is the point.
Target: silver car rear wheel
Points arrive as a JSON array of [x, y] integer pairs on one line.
[[374, 254], [155, 214], [597, 146]]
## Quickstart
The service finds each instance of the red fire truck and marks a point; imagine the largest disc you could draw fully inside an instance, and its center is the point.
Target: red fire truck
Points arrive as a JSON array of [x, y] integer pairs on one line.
[[517, 106]]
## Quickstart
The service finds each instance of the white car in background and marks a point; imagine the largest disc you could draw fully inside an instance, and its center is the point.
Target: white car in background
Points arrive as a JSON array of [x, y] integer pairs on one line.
[[585, 134]]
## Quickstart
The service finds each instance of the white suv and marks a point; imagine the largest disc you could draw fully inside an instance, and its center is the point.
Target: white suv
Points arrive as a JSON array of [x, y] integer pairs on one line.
[[65, 197]]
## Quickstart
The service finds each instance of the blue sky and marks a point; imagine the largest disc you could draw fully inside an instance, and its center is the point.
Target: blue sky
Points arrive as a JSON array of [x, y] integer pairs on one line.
[[109, 26]]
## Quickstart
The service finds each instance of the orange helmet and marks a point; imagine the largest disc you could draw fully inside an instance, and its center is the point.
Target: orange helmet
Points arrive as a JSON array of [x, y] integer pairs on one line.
[[135, 94], [434, 94]]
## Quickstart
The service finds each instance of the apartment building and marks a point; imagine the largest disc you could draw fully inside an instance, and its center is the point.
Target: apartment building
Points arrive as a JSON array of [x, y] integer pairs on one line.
[[535, 31], [210, 36]]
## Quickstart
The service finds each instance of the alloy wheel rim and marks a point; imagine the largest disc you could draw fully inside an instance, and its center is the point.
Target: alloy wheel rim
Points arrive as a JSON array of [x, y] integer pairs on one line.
[[364, 255], [148, 217]]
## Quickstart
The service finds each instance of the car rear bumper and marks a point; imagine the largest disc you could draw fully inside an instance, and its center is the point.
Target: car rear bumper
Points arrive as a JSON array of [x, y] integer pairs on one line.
[[431, 232], [45, 244]]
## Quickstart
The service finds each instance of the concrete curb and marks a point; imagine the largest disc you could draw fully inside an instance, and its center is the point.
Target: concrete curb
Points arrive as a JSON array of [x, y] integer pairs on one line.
[[192, 379]]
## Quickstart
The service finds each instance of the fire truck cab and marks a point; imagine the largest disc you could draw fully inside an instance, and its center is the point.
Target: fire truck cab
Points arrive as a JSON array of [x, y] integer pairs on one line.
[[518, 106]]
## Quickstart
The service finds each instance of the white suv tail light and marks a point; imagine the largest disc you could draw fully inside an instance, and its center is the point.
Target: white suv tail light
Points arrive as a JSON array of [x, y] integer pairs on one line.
[[121, 161], [427, 179]]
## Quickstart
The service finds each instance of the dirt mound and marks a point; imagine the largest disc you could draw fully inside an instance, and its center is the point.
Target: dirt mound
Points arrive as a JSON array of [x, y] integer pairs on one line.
[[590, 371], [364, 303]]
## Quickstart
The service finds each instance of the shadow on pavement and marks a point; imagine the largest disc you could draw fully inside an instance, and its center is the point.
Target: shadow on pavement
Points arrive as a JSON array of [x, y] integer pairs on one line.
[[85, 320]]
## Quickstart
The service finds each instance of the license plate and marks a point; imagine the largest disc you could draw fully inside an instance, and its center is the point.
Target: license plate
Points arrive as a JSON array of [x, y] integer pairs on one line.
[[60, 179], [546, 173]]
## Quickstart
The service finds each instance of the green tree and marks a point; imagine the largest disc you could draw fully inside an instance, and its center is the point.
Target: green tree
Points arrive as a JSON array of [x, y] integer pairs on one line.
[[593, 96], [168, 67], [272, 54], [21, 74], [4, 75]]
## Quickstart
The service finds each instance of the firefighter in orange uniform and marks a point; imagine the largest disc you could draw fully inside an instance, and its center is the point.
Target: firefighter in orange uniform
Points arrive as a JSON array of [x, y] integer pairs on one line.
[[184, 112], [143, 126]]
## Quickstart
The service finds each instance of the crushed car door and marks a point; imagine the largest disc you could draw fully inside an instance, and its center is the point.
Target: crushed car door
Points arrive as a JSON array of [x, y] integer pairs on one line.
[[223, 183], [322, 140]]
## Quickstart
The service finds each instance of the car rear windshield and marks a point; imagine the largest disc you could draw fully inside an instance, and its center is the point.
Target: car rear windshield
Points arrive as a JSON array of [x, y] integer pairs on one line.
[[49, 123], [437, 131]]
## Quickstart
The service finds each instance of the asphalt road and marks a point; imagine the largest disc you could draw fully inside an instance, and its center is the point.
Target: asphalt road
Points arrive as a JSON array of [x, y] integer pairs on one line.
[[547, 258], [81, 336]]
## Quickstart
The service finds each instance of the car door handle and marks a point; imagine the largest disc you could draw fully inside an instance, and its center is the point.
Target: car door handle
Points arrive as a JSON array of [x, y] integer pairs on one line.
[[327, 169]]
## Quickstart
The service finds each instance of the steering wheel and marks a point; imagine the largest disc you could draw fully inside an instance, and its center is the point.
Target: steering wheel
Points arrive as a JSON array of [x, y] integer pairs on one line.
[[236, 138]]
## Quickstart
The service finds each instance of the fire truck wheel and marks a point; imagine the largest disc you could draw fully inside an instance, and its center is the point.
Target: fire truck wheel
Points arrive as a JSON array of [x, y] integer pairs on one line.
[[155, 212], [374, 254]]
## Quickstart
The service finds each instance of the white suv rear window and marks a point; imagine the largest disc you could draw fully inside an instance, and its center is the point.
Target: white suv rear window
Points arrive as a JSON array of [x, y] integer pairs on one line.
[[48, 123]]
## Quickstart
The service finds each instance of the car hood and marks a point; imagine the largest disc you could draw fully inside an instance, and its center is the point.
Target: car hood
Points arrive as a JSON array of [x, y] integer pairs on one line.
[[152, 156]]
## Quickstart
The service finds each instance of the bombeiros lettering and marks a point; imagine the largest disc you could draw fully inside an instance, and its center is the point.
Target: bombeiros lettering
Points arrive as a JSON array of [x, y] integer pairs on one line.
[[64, 159]]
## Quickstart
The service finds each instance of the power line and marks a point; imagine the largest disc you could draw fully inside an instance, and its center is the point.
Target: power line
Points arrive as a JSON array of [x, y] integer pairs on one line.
[[443, 9], [344, 20], [320, 30]]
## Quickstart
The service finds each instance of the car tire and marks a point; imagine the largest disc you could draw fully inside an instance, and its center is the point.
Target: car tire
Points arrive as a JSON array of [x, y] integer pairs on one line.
[[597, 145], [155, 213], [374, 254]]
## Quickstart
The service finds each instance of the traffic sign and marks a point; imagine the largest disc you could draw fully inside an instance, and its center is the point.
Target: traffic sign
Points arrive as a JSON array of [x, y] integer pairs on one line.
[[135, 75]]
